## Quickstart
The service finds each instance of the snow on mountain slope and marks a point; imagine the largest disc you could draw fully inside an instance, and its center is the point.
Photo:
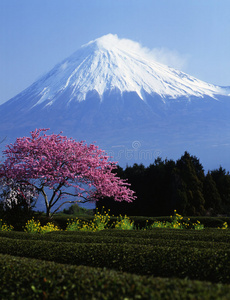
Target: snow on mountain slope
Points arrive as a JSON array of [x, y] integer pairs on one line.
[[109, 63], [113, 92]]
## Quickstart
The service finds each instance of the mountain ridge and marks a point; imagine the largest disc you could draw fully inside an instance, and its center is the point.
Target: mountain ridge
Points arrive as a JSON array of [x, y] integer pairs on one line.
[[109, 63], [97, 94]]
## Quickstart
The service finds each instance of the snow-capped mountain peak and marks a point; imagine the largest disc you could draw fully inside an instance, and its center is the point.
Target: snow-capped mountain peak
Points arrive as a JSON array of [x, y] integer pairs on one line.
[[114, 92], [109, 63]]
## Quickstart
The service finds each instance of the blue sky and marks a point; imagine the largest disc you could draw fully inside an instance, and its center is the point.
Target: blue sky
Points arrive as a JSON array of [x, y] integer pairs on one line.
[[36, 34]]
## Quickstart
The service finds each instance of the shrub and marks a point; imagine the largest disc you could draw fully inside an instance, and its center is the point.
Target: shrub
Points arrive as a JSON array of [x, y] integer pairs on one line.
[[177, 222], [33, 226], [5, 227], [124, 223], [99, 222]]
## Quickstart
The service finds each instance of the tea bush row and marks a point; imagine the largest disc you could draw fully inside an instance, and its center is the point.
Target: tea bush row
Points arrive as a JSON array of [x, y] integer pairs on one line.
[[166, 261], [209, 235], [169, 240], [24, 278]]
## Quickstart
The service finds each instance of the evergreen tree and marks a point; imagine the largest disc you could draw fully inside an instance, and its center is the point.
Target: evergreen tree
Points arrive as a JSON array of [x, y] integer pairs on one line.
[[192, 186], [222, 180], [167, 185], [211, 195]]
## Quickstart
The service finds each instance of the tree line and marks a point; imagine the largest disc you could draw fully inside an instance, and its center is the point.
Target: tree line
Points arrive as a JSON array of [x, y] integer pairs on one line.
[[168, 185]]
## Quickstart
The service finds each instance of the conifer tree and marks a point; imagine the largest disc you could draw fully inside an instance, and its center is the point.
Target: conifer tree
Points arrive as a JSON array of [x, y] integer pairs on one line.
[[211, 195], [193, 186]]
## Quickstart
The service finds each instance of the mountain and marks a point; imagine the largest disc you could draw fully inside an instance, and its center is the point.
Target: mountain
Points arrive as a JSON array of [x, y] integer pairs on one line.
[[113, 92]]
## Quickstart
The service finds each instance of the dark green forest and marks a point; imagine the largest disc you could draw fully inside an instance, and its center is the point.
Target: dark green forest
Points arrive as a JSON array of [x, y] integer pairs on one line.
[[168, 185]]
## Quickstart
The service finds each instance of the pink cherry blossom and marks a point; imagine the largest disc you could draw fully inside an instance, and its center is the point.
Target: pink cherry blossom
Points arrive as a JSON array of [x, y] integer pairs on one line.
[[66, 167]]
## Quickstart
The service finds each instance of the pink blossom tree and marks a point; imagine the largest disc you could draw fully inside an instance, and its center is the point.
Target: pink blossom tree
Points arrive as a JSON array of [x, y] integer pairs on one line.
[[65, 167]]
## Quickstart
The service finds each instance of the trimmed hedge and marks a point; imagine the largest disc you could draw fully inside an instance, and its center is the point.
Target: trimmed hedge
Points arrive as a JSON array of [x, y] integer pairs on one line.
[[209, 235], [166, 261], [23, 278], [168, 238]]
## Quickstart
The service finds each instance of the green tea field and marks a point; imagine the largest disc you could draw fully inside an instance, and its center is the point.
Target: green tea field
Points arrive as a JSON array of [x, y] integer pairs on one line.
[[160, 263]]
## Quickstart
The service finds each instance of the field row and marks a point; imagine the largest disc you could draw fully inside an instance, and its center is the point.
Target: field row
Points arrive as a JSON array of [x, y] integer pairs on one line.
[[24, 278], [201, 260], [129, 236]]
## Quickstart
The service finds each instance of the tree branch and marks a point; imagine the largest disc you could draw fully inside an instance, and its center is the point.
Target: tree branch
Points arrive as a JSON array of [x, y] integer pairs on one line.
[[54, 194], [45, 197]]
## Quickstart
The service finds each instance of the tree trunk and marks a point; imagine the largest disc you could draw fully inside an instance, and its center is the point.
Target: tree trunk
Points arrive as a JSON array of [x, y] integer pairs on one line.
[[48, 207], [48, 214]]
